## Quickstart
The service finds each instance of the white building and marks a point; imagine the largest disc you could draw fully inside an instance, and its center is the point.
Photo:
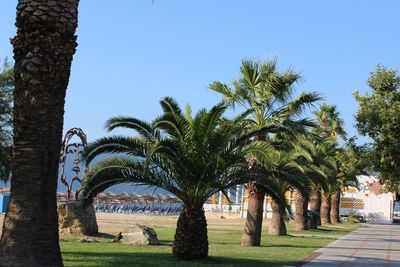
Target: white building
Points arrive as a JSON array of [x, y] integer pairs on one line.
[[368, 200]]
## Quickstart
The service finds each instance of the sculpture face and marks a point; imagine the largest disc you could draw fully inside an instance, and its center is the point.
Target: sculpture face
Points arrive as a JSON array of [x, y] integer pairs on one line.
[[73, 150]]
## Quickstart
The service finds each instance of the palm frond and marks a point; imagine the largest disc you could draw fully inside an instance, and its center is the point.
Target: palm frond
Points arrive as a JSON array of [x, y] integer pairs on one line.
[[142, 127], [114, 145], [169, 105]]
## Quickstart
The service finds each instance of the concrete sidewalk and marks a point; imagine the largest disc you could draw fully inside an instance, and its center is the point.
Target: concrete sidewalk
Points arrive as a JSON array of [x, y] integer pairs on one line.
[[370, 245]]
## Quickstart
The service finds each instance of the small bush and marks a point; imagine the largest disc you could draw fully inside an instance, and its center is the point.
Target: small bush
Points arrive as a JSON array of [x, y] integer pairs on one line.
[[354, 217]]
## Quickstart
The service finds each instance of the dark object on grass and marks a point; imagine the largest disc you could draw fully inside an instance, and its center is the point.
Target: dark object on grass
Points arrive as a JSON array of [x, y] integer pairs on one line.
[[313, 219], [118, 237]]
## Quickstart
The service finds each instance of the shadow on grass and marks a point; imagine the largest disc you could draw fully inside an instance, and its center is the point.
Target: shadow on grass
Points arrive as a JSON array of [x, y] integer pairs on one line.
[[322, 230], [107, 259], [109, 238], [103, 235], [165, 242], [275, 245]]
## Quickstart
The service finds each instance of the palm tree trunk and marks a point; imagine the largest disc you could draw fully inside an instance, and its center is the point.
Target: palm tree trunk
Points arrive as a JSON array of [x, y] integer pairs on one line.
[[278, 226], [315, 200], [191, 240], [300, 204], [252, 231], [326, 209], [43, 51], [335, 208]]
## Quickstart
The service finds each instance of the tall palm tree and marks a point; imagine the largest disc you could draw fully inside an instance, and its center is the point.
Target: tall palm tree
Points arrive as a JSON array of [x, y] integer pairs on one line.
[[330, 127], [329, 152], [192, 157], [325, 161], [43, 51], [266, 96]]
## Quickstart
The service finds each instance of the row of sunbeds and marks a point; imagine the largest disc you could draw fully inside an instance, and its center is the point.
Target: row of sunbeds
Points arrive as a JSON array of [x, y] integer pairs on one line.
[[134, 208]]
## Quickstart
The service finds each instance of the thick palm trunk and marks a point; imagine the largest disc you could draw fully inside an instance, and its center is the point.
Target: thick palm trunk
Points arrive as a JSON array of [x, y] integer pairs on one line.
[[335, 207], [278, 226], [191, 241], [252, 231], [300, 204], [315, 201], [43, 50], [326, 209]]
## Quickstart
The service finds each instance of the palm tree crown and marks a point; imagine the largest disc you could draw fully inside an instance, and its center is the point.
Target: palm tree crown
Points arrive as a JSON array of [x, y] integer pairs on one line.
[[192, 157], [266, 95], [330, 125]]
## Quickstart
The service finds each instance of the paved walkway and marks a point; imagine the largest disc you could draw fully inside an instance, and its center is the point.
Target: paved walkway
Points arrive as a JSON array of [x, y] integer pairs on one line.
[[372, 245]]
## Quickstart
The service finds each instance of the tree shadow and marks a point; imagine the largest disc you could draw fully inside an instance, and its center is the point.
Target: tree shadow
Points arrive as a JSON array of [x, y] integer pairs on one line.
[[136, 259], [323, 230], [109, 237]]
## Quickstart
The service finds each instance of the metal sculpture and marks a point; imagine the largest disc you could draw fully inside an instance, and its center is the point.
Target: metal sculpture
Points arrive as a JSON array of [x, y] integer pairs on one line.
[[75, 149]]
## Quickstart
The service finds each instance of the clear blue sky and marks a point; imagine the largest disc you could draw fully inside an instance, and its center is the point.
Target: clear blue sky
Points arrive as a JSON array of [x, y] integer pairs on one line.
[[132, 53]]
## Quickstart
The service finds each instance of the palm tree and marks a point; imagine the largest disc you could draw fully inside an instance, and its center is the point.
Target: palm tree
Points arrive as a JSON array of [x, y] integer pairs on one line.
[[330, 127], [314, 176], [290, 169], [301, 210], [192, 157], [266, 96], [299, 169], [327, 151], [315, 199], [43, 51], [341, 183], [349, 164], [291, 178]]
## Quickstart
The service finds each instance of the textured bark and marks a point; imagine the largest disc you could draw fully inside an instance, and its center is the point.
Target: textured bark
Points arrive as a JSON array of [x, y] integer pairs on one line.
[[191, 241], [335, 207], [43, 51], [326, 210], [315, 200], [278, 226], [73, 218], [252, 230], [300, 204]]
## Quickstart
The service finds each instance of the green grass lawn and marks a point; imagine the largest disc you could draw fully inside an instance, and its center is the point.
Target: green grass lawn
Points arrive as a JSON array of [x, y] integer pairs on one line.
[[225, 250]]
